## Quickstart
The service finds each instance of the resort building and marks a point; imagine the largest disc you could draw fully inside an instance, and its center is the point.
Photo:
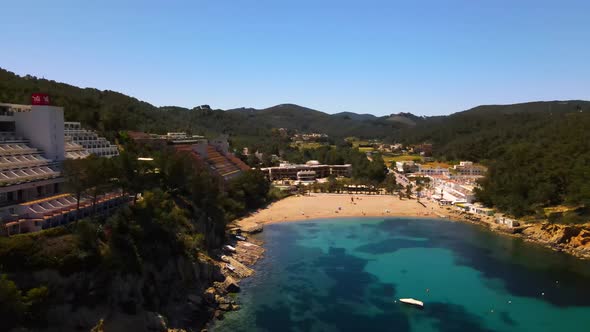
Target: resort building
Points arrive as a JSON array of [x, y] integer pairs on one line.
[[448, 191], [468, 168], [158, 142], [32, 149], [88, 140], [306, 176], [433, 169], [216, 156], [291, 171]]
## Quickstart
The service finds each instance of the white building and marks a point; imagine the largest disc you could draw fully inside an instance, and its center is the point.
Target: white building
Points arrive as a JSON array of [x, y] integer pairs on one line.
[[89, 140], [451, 191], [468, 168], [503, 220], [306, 175], [432, 170], [31, 148]]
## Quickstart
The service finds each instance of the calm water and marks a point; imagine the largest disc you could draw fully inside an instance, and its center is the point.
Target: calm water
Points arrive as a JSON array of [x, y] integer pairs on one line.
[[345, 275]]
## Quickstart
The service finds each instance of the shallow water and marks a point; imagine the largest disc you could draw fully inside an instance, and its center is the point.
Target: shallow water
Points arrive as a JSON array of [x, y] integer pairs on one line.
[[346, 275]]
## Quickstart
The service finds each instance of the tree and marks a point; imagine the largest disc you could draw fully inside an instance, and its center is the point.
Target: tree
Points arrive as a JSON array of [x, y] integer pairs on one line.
[[390, 183], [75, 176], [12, 306], [409, 191]]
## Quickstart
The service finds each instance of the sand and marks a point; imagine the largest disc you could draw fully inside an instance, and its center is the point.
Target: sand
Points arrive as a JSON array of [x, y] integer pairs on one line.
[[319, 206]]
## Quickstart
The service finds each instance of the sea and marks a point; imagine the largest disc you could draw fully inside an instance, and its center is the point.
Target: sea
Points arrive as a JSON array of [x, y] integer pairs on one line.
[[348, 275]]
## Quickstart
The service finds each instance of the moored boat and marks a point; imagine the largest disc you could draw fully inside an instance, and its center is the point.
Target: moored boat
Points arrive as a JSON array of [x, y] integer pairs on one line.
[[414, 302]]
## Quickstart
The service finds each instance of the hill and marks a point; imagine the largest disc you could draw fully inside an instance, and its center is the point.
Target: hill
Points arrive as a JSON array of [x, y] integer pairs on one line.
[[309, 120], [355, 116], [110, 111], [407, 119], [538, 153]]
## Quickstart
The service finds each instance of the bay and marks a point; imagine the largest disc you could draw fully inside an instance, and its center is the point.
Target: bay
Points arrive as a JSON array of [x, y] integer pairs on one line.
[[347, 275]]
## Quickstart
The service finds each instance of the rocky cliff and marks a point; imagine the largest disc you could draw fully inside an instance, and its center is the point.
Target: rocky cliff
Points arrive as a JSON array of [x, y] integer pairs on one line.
[[152, 300], [572, 239]]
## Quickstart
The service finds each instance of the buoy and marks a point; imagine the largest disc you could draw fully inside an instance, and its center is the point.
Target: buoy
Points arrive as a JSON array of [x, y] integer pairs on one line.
[[509, 302], [543, 294], [492, 311]]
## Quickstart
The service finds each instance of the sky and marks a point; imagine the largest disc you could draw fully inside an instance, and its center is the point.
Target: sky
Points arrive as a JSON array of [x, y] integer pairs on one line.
[[428, 57]]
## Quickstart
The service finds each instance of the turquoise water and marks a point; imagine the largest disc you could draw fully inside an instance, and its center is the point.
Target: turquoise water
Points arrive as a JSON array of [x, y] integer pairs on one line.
[[345, 275]]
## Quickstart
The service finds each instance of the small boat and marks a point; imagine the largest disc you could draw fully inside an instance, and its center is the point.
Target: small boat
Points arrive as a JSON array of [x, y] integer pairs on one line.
[[230, 267], [229, 248], [413, 302], [241, 238]]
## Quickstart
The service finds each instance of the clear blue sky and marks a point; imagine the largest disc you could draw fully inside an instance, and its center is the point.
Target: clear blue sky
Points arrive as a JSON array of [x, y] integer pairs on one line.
[[425, 57]]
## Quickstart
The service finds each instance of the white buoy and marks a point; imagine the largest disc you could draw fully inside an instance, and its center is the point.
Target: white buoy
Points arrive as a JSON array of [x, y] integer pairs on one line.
[[543, 294], [509, 302]]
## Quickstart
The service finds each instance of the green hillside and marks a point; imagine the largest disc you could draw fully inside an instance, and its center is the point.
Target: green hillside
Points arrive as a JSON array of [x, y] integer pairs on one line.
[[111, 111], [538, 153]]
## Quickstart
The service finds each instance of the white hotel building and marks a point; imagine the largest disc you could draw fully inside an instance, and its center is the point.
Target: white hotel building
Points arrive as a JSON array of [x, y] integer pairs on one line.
[[32, 149], [88, 140]]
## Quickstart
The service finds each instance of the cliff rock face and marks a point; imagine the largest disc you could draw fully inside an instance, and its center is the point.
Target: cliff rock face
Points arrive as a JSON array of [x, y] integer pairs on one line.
[[574, 239], [153, 300]]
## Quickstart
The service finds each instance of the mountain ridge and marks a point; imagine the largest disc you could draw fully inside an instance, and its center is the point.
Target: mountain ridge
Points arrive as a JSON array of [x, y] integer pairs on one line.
[[111, 111]]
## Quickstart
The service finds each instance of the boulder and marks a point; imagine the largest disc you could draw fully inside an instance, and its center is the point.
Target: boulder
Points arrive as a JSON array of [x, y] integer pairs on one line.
[[155, 322], [225, 306], [218, 315], [231, 285], [209, 296]]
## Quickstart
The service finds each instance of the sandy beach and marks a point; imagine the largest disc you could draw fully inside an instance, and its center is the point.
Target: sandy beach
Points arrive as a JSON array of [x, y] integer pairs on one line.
[[316, 206]]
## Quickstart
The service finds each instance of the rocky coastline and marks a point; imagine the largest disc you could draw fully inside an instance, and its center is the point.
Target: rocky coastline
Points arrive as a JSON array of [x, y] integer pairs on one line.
[[570, 239], [235, 261]]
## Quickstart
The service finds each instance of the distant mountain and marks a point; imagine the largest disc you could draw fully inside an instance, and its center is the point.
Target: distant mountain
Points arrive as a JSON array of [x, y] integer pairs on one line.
[[354, 116], [309, 120], [408, 119], [536, 107], [110, 111]]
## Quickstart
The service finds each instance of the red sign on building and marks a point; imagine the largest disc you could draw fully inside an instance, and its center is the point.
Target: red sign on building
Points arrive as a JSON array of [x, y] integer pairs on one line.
[[39, 99]]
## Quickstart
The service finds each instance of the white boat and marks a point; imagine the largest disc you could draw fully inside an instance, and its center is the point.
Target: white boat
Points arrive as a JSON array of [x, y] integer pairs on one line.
[[229, 248], [413, 302], [241, 238]]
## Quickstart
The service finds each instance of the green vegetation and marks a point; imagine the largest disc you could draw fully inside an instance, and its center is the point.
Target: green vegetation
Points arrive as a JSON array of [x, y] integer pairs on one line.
[[109, 112], [181, 210], [16, 306], [538, 153]]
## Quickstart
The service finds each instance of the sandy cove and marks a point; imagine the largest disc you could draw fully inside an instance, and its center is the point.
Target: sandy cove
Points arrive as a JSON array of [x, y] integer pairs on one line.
[[319, 206], [574, 239]]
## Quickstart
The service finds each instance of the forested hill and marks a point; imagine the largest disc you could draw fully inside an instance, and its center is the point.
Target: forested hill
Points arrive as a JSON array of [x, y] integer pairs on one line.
[[308, 120], [538, 153], [482, 132], [111, 111]]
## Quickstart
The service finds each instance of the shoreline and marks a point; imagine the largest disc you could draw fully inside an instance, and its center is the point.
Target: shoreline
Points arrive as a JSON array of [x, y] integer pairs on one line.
[[570, 239], [334, 206], [324, 206]]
